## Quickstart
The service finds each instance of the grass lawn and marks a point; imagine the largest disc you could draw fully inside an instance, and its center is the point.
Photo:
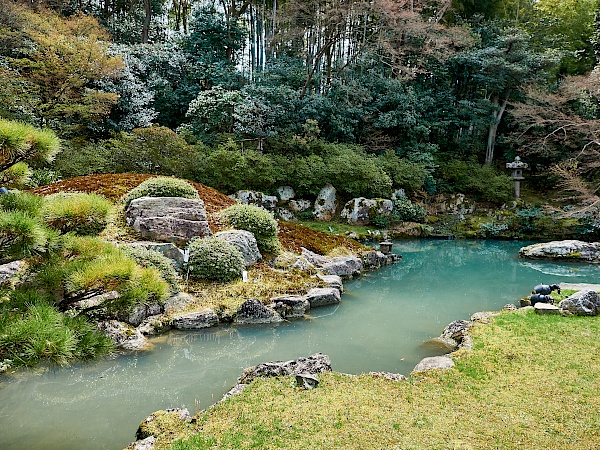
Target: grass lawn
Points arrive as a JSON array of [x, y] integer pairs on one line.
[[530, 382]]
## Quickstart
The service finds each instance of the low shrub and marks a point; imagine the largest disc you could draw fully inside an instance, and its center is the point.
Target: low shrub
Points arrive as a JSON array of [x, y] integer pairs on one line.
[[77, 212], [215, 259], [162, 187], [150, 258], [406, 211], [256, 220], [21, 201], [484, 183], [21, 235]]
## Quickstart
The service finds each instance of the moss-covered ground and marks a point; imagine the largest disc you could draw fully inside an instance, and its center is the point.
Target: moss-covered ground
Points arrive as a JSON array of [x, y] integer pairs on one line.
[[530, 382]]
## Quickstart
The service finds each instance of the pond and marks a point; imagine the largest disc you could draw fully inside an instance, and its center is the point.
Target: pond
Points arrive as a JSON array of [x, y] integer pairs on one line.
[[380, 325]]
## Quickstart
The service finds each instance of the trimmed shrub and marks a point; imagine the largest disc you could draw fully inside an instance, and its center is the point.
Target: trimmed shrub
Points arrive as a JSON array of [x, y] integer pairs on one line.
[[214, 259], [406, 211], [20, 235], [257, 221], [21, 201], [150, 258], [78, 212], [484, 183], [162, 187]]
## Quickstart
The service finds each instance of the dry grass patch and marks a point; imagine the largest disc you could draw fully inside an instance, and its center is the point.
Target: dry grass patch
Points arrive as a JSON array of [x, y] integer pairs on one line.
[[530, 382]]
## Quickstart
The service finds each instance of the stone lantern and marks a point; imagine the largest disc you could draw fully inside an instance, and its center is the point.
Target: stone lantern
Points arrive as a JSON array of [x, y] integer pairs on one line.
[[385, 247], [517, 167]]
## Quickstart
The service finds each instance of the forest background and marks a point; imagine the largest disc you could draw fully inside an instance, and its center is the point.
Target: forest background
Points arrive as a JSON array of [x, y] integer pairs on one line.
[[371, 96]]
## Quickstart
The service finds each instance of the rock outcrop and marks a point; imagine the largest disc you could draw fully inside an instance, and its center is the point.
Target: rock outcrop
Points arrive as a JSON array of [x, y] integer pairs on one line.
[[326, 204], [582, 303], [168, 219], [299, 205], [254, 311], [245, 242], [255, 198], [360, 211], [313, 364], [124, 336], [290, 306], [323, 296], [196, 320], [343, 266], [286, 193], [569, 250]]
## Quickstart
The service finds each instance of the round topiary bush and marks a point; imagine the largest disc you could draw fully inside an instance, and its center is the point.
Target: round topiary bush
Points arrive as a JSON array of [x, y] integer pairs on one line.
[[215, 259], [162, 187], [258, 221], [78, 212], [150, 258]]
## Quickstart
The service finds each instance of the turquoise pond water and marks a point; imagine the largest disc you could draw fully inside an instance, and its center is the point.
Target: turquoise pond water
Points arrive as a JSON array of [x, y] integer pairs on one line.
[[380, 325]]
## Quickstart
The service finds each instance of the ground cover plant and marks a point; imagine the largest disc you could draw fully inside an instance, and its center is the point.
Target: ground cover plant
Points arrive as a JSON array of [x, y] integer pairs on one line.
[[529, 382]]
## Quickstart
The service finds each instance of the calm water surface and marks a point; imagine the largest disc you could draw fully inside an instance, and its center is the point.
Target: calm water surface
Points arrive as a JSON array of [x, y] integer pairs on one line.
[[380, 325]]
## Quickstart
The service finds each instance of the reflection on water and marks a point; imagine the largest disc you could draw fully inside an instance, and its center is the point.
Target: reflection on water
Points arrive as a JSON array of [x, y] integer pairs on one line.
[[381, 324]]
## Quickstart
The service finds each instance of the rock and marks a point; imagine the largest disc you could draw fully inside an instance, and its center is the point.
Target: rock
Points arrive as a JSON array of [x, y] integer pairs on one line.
[[407, 229], [144, 444], [569, 250], [286, 193], [453, 335], [333, 281], [168, 219], [313, 364], [9, 272], [432, 363], [155, 325], [399, 193], [168, 249], [326, 204], [253, 311], [290, 306], [178, 302], [524, 302], [484, 317], [256, 198], [360, 211], [439, 345], [455, 204], [123, 335], [290, 261], [299, 205], [373, 260], [388, 376], [307, 380], [245, 242], [509, 307], [285, 215], [94, 301], [141, 312], [582, 303], [149, 425], [546, 308], [343, 266], [196, 320], [323, 296], [233, 391]]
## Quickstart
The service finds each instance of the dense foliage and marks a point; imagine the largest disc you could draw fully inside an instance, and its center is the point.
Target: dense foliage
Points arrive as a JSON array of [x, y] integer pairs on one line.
[[257, 221], [214, 259]]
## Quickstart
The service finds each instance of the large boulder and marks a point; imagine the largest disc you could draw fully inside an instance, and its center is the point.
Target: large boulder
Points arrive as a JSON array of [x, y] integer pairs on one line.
[[10, 272], [178, 302], [196, 320], [254, 311], [323, 296], [313, 364], [124, 336], [374, 260], [245, 242], [141, 312], [360, 211], [343, 266], [299, 205], [326, 204], [454, 204], [569, 250], [290, 306], [255, 198], [582, 303], [434, 363], [168, 219], [286, 193]]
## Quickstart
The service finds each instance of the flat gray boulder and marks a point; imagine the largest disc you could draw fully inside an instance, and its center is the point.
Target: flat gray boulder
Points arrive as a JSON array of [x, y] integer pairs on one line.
[[569, 250], [546, 308], [196, 320], [323, 296], [313, 364], [343, 266], [333, 281], [433, 363], [582, 303], [168, 219], [290, 306], [254, 311], [245, 242]]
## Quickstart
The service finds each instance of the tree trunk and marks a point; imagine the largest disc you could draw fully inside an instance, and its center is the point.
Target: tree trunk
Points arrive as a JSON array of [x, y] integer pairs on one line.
[[147, 17], [491, 141]]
